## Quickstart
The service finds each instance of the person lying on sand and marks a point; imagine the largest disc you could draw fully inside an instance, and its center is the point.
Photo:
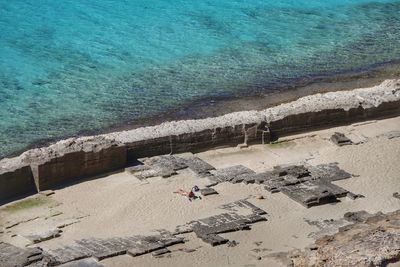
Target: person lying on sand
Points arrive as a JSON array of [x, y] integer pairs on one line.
[[190, 195]]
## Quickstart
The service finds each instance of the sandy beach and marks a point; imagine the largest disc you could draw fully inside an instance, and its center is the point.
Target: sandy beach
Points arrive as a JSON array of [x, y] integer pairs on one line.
[[120, 204]]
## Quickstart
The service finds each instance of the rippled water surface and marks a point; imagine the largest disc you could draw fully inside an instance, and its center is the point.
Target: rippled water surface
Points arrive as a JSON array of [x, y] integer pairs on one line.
[[68, 66]]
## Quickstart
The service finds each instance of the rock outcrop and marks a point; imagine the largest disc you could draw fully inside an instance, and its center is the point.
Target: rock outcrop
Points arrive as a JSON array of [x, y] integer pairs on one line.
[[65, 161], [16, 179], [372, 241]]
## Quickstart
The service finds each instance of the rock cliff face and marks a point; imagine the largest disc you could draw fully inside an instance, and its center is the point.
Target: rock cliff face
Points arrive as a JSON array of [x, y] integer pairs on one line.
[[15, 179], [75, 158], [374, 241], [72, 159], [67, 160]]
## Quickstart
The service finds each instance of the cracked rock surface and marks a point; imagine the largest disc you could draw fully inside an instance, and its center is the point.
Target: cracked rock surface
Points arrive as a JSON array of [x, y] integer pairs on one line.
[[373, 241]]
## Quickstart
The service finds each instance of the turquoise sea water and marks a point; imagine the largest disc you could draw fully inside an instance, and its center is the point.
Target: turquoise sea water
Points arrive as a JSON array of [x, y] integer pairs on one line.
[[68, 66]]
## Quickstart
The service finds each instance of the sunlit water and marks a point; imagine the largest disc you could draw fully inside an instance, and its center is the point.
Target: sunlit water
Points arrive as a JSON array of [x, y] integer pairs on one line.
[[68, 66]]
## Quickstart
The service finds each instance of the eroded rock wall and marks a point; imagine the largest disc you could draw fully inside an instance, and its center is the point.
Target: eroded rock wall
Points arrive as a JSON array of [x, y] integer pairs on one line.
[[16, 179]]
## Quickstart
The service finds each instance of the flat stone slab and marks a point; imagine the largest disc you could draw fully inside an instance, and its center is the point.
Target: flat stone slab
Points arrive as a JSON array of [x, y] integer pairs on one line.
[[208, 228], [168, 161], [208, 191], [164, 166], [83, 263], [308, 185], [234, 174], [160, 252], [313, 193], [329, 172], [240, 204], [105, 248], [199, 166], [168, 165], [11, 256], [152, 243], [214, 240], [340, 139], [47, 235], [297, 171], [68, 254]]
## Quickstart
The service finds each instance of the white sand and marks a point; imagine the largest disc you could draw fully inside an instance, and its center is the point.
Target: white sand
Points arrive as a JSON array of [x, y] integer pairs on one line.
[[122, 205]]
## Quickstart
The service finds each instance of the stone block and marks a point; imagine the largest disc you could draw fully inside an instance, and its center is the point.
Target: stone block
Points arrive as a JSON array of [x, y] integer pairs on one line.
[[68, 254], [144, 249], [328, 172], [214, 240], [340, 139], [163, 166], [160, 252], [235, 174], [167, 161], [43, 236], [199, 166], [312, 193], [15, 181], [208, 228], [11, 256], [102, 248], [208, 191]]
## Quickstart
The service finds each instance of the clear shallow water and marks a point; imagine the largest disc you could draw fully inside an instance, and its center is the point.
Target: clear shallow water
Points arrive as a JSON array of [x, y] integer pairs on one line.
[[68, 66]]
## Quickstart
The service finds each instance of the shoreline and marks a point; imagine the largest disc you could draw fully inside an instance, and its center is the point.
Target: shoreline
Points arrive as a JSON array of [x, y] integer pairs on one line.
[[218, 106], [76, 158]]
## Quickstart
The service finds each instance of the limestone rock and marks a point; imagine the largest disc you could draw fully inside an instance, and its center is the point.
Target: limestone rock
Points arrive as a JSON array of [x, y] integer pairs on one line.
[[43, 236], [340, 139], [373, 242], [208, 191], [11, 256]]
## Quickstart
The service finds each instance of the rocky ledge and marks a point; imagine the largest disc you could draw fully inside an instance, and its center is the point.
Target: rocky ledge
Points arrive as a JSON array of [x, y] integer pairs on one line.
[[75, 158], [374, 240]]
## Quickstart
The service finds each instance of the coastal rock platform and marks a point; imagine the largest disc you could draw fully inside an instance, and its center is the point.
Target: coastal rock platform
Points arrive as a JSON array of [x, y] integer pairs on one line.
[[77, 158]]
